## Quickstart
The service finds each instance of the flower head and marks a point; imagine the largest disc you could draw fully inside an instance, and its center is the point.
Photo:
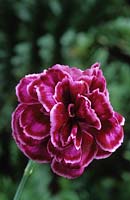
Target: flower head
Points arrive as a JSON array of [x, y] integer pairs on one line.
[[65, 117]]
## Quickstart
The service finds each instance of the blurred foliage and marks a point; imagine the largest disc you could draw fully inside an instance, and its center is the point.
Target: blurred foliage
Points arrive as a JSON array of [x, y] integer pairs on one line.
[[37, 34]]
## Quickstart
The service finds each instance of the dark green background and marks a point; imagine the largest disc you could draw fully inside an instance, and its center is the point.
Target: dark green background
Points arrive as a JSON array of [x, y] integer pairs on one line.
[[35, 34]]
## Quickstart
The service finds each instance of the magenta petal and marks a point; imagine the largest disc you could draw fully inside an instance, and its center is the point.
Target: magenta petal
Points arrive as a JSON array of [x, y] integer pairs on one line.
[[71, 72], [89, 149], [66, 170], [22, 89], [78, 140], [101, 105], [45, 96], [38, 153], [32, 87], [97, 79], [120, 118], [74, 131], [96, 65], [68, 154], [79, 87], [17, 131], [46, 90], [102, 154], [99, 83], [86, 79], [67, 90], [75, 73], [34, 149], [110, 137], [93, 71], [65, 134], [72, 155], [58, 117], [86, 114], [34, 122], [62, 91]]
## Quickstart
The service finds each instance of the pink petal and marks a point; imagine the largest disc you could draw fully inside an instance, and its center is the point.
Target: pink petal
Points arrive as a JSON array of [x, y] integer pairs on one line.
[[32, 87], [38, 153], [93, 71], [89, 149], [87, 79], [110, 137], [34, 122], [58, 117], [67, 90], [99, 83], [68, 154], [64, 134], [97, 79], [62, 92], [17, 131], [32, 148], [101, 105], [73, 72], [77, 139], [102, 154], [95, 65], [74, 131], [22, 91], [79, 87], [66, 170], [86, 114], [46, 90], [120, 118]]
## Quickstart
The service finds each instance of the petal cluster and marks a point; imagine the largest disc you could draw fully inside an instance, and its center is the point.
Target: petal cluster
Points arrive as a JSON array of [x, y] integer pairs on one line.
[[65, 117]]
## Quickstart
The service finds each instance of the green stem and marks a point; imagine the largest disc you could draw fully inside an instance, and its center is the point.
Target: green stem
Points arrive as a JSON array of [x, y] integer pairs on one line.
[[27, 173]]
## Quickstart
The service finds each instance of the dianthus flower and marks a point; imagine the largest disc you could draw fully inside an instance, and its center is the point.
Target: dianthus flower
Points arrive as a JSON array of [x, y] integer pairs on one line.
[[64, 117]]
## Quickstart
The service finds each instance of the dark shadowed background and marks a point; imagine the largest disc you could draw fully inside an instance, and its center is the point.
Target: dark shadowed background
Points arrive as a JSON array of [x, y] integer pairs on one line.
[[35, 34]]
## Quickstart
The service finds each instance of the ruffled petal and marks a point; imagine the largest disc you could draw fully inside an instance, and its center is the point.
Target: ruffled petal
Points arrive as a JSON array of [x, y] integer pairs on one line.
[[22, 89], [120, 118], [100, 103], [67, 90], [89, 149], [32, 87], [34, 122], [101, 154], [66, 171], [58, 118], [94, 70], [62, 92], [99, 83], [97, 79], [110, 137], [32, 148], [78, 140], [74, 131], [65, 134], [73, 72], [38, 153], [86, 114], [78, 87], [68, 154], [46, 90], [17, 130]]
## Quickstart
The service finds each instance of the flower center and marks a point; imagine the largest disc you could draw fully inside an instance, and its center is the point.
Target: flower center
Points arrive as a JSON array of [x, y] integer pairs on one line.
[[71, 110]]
